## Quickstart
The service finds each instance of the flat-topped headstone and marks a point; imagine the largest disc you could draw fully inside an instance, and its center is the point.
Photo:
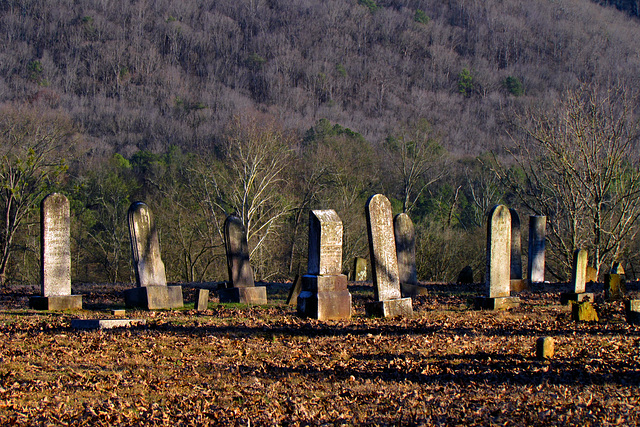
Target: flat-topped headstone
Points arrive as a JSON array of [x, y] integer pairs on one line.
[[152, 291], [324, 294], [55, 250], [614, 287], [384, 260], [537, 238], [202, 299], [241, 287], [545, 348], [577, 285], [517, 283]]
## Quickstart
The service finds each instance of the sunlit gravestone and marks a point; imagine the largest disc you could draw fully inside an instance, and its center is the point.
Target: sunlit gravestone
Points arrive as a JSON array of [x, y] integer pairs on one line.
[[537, 238], [384, 261], [152, 292], [405, 238], [578, 282], [517, 284], [55, 251], [241, 287], [359, 269], [324, 294], [498, 270]]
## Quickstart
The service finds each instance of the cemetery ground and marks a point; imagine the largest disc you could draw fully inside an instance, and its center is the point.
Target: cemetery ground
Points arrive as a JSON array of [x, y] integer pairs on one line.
[[240, 365]]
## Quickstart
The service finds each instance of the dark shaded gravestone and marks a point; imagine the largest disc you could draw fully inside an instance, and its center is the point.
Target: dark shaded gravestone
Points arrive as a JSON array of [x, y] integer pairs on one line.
[[578, 280], [359, 269], [498, 272], [466, 275], [294, 291], [152, 292], [241, 287], [632, 311], [324, 294], [537, 238], [405, 236], [55, 251], [517, 284], [384, 261], [202, 300]]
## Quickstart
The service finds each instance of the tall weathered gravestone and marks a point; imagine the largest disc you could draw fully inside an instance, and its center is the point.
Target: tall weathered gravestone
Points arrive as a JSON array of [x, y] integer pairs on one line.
[[578, 279], [241, 287], [537, 237], [517, 284], [384, 261], [498, 271], [405, 237], [152, 292], [324, 294], [55, 251]]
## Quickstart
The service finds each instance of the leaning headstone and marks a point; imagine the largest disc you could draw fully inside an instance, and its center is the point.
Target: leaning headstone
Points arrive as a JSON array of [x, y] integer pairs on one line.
[[632, 311], [405, 237], [578, 280], [296, 287], [359, 269], [583, 312], [517, 284], [537, 236], [241, 287], [384, 262], [202, 299], [498, 272], [466, 275], [55, 250], [152, 292], [324, 294], [614, 287], [545, 347]]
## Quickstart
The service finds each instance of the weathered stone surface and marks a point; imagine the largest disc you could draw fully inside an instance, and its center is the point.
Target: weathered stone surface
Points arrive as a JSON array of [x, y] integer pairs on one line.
[[390, 308], [537, 238], [516, 246], [56, 303], [296, 288], [359, 269], [324, 297], [409, 290], [55, 221], [499, 252], [154, 297], [405, 237], [202, 299], [105, 323], [145, 247], [584, 312], [632, 311], [545, 347], [591, 275], [252, 295], [465, 275], [325, 243], [614, 287], [238, 265], [579, 271], [118, 312], [497, 303], [382, 248]]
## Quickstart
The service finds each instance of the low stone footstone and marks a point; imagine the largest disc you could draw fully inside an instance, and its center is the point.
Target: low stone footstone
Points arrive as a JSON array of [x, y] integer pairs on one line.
[[105, 323], [466, 275], [545, 347], [614, 287], [632, 311], [498, 262], [359, 269], [578, 280], [202, 300], [537, 238], [118, 312], [152, 292], [241, 287], [384, 262], [294, 292], [583, 312], [517, 283], [55, 251], [324, 294]]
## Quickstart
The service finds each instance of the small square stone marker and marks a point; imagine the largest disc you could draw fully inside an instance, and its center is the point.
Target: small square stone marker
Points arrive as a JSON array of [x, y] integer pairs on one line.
[[118, 312], [545, 347], [202, 299]]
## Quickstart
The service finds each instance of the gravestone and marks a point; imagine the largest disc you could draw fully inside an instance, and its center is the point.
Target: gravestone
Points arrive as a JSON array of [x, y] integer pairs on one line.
[[517, 284], [578, 280], [202, 299], [466, 275], [592, 275], [55, 251], [617, 268], [105, 323], [359, 269], [324, 294], [583, 312], [614, 287], [152, 292], [405, 237], [296, 287], [384, 262], [498, 271], [241, 287], [632, 311], [545, 347], [537, 238]]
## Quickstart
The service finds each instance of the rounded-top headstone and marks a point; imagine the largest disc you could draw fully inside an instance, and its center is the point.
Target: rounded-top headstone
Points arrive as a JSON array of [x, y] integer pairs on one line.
[[145, 246], [499, 252], [382, 248], [237, 247], [405, 237]]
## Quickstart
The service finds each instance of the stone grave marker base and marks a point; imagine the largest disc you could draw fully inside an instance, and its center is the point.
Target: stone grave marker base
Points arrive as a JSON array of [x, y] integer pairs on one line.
[[202, 299], [105, 323], [325, 298], [565, 297], [390, 308], [154, 297], [61, 302], [254, 295], [632, 311], [411, 290], [496, 303], [518, 285]]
